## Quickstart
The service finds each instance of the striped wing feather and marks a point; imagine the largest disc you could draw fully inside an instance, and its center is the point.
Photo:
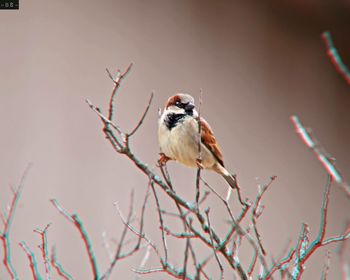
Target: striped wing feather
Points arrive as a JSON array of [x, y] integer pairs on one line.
[[208, 139]]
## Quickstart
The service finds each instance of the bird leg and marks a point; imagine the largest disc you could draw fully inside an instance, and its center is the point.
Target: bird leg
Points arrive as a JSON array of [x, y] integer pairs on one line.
[[199, 163], [163, 159]]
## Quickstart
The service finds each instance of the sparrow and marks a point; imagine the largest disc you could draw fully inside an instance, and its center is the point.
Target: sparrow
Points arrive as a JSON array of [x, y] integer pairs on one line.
[[178, 136]]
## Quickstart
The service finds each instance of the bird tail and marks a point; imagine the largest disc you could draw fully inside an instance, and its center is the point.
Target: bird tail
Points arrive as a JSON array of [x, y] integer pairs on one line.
[[232, 181]]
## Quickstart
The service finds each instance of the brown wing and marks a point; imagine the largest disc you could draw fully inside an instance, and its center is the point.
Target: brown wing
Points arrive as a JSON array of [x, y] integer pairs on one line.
[[208, 139]]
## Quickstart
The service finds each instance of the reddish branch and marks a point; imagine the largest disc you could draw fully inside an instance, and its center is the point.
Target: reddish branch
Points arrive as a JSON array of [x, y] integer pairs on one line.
[[56, 265], [304, 248], [32, 261], [7, 220], [117, 82], [119, 254], [44, 250], [334, 56], [84, 236], [280, 265], [214, 246], [257, 211], [327, 161]]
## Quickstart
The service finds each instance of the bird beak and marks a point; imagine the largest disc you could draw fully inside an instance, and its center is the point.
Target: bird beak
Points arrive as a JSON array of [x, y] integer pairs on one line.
[[189, 107]]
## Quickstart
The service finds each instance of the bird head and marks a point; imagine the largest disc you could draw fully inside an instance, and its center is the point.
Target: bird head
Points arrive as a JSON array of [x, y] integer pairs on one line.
[[181, 103]]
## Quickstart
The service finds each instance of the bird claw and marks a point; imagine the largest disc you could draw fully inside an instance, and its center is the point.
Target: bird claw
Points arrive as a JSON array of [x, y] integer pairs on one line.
[[163, 159], [199, 163]]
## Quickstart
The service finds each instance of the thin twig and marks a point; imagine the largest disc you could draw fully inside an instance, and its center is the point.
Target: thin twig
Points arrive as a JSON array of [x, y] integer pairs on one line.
[[7, 221], [326, 161], [143, 116], [256, 214], [118, 254], [186, 257], [84, 236], [117, 82], [161, 221], [304, 250], [103, 118], [59, 269], [334, 56], [44, 250], [279, 265], [214, 246], [32, 261]]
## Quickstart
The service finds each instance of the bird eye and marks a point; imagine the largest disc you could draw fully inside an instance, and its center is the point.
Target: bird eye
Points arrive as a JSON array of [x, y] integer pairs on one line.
[[177, 103]]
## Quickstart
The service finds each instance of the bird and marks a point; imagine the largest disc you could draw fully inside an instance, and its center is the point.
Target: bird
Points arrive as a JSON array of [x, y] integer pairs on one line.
[[178, 135]]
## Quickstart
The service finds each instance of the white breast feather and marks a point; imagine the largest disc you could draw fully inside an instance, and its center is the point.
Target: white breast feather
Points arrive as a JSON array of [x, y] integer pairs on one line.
[[181, 143]]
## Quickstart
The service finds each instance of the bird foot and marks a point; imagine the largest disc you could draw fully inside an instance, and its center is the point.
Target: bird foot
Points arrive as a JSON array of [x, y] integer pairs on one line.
[[199, 163], [163, 159]]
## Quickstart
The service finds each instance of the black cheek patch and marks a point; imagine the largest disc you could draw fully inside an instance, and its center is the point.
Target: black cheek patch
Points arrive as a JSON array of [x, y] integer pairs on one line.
[[173, 120]]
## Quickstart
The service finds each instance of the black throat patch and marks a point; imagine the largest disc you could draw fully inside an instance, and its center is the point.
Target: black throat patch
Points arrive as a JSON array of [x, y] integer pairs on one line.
[[172, 120]]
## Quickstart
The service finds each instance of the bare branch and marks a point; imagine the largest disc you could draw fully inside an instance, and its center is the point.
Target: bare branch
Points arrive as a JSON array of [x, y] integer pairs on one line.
[[117, 82], [186, 258], [161, 221], [32, 261], [56, 265], [135, 231], [280, 265], [334, 56], [119, 255], [255, 212], [84, 236], [44, 249], [303, 249], [102, 117], [7, 221], [326, 161], [214, 246], [143, 116]]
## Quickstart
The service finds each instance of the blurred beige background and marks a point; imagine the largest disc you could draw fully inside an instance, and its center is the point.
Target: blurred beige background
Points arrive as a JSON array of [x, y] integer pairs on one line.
[[257, 62]]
